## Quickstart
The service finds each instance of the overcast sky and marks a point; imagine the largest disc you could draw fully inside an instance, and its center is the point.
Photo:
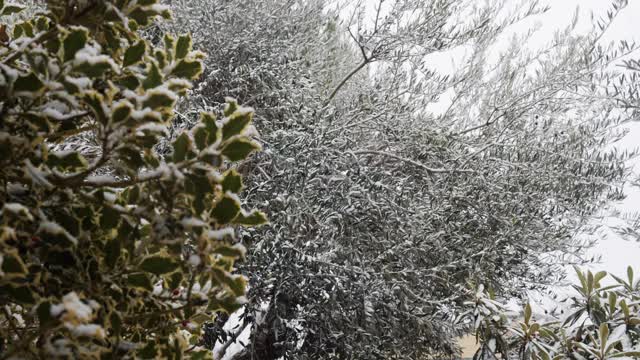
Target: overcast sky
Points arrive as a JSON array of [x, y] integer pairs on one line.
[[616, 253]]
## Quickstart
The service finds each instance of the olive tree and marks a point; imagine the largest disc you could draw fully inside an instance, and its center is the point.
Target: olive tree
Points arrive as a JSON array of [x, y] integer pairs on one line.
[[383, 210]]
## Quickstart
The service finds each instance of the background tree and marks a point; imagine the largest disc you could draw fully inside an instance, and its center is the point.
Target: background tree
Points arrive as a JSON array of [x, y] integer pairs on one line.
[[384, 210], [119, 252]]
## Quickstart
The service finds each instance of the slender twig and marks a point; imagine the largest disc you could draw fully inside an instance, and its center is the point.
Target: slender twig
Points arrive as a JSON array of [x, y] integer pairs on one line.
[[42, 37], [220, 354], [345, 79], [412, 162]]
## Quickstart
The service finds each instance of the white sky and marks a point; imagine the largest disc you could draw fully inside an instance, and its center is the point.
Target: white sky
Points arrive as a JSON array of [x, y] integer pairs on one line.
[[616, 253]]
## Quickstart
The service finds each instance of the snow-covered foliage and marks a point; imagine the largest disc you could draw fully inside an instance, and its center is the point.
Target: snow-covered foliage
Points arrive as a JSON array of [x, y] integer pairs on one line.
[[604, 323], [383, 211], [122, 252]]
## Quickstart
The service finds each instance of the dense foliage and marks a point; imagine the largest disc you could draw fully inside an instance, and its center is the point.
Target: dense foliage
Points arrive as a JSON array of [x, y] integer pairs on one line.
[[108, 248], [382, 208], [392, 184]]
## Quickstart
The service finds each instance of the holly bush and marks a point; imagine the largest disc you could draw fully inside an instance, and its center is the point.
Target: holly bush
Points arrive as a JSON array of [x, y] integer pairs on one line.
[[109, 247]]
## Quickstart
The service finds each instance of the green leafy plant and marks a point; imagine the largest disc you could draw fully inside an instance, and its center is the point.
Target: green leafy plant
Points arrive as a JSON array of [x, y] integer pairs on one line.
[[604, 325], [108, 248]]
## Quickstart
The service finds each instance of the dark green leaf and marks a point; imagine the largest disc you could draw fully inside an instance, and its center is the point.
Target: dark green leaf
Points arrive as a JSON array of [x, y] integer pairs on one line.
[[226, 303], [154, 78], [44, 314], [239, 149], [109, 218], [22, 294], [28, 83], [236, 123], [130, 82], [174, 280], [226, 209], [116, 323], [169, 44], [73, 42], [149, 351], [95, 100], [158, 264], [11, 9], [94, 68], [200, 135], [183, 47], [140, 280], [38, 122], [232, 181], [141, 16], [12, 264], [161, 58], [181, 147], [131, 156], [230, 107], [67, 160], [254, 218], [157, 99], [236, 283], [112, 252], [187, 69], [209, 121], [134, 53], [121, 112]]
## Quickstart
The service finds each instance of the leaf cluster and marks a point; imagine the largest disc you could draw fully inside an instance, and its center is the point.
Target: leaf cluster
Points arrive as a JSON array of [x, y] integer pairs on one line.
[[113, 250]]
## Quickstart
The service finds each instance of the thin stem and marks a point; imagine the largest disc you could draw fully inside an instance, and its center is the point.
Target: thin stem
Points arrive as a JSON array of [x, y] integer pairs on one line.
[[412, 162], [345, 79]]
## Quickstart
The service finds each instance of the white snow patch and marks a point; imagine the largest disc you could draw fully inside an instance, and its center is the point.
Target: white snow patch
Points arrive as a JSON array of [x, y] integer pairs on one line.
[[220, 234], [81, 82], [194, 260], [87, 330], [101, 179], [17, 209]]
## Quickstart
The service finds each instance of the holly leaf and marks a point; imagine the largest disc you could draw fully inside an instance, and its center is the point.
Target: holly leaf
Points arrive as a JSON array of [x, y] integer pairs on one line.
[[140, 280], [232, 182], [181, 147], [12, 263], [236, 123], [73, 42], [134, 53], [187, 69], [226, 209], [183, 46], [154, 78], [11, 9], [158, 264], [254, 218], [28, 83], [239, 149], [236, 283], [67, 160]]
